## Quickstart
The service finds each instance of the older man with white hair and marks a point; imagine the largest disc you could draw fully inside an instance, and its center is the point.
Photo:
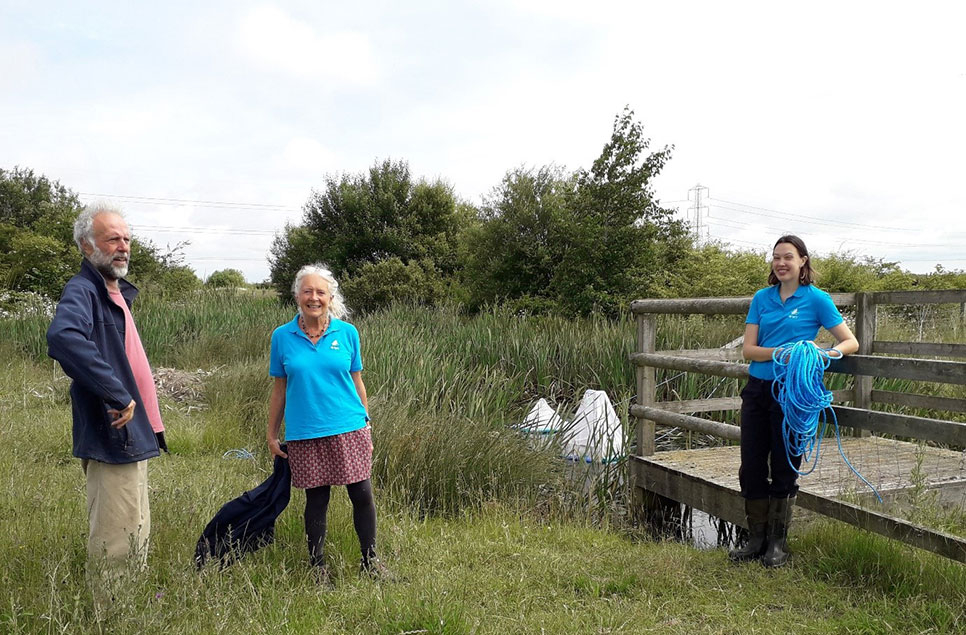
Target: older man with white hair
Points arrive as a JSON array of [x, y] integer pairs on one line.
[[117, 422]]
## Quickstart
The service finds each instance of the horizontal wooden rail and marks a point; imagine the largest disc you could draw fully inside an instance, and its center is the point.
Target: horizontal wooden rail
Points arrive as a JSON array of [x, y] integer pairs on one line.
[[730, 403], [722, 354], [706, 366], [952, 547], [941, 371], [701, 405], [944, 296], [697, 424], [919, 349], [926, 402], [907, 426], [713, 306]]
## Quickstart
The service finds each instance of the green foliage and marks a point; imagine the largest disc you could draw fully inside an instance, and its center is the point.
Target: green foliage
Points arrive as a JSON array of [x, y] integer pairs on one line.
[[515, 249], [226, 278], [364, 219], [33, 262], [380, 284], [37, 250], [620, 242], [713, 269], [586, 242], [36, 203], [161, 271]]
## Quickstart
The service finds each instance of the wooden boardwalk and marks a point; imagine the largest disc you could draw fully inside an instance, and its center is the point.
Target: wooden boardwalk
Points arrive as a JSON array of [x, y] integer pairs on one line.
[[890, 465], [707, 479]]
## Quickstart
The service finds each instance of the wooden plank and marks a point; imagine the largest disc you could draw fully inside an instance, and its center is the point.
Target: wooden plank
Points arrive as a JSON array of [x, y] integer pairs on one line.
[[919, 349], [721, 354], [646, 382], [941, 371], [937, 430], [700, 405], [839, 396], [717, 500], [713, 306], [707, 367], [946, 296], [718, 404], [697, 424], [706, 306], [952, 547], [912, 400]]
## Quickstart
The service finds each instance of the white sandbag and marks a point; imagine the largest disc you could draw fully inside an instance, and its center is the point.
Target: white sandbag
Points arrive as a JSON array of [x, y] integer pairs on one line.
[[542, 419], [595, 434]]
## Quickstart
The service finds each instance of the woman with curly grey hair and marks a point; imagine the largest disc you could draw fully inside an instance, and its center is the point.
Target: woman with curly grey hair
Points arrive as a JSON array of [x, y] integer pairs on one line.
[[317, 365]]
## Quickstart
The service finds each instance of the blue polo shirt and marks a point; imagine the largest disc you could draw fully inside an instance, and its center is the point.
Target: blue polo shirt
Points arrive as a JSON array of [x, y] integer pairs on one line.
[[797, 319], [320, 396]]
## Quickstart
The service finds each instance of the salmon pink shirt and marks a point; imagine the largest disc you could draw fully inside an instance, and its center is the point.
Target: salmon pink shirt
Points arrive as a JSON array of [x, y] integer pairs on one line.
[[140, 367]]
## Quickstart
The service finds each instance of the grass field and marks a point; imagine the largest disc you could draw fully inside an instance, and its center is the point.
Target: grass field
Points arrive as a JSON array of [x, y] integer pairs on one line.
[[480, 526]]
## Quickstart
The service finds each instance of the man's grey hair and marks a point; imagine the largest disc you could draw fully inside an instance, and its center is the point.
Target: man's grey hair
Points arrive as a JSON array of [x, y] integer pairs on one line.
[[337, 307], [84, 225]]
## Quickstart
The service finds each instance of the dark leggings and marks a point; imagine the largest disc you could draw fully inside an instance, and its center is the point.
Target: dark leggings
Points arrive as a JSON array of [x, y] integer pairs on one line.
[[363, 517]]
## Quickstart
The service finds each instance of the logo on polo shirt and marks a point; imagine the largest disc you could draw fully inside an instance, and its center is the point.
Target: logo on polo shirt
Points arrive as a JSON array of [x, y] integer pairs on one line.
[[335, 344], [793, 315]]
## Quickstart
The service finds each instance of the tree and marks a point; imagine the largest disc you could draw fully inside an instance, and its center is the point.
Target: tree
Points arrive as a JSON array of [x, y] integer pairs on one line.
[[226, 278], [513, 252], [583, 242], [37, 250], [620, 241], [365, 219]]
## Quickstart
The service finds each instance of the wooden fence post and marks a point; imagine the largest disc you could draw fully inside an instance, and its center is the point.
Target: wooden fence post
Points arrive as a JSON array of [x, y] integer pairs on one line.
[[646, 388], [662, 515], [865, 314]]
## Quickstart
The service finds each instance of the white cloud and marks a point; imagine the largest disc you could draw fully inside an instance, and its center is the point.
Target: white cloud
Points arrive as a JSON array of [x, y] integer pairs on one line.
[[276, 42], [19, 62], [302, 155]]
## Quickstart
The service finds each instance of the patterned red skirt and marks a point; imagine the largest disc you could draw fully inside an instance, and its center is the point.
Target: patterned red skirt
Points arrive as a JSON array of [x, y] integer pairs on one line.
[[341, 459]]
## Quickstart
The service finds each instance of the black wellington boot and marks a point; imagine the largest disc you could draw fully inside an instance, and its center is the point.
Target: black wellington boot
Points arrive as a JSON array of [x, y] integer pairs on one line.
[[779, 517], [756, 513]]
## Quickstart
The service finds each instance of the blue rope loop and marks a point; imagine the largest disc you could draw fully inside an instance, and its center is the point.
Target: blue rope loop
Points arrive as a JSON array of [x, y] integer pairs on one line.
[[800, 390]]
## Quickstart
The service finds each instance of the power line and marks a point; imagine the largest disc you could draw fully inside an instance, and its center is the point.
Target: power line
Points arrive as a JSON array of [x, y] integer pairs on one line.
[[911, 245], [204, 230], [185, 202], [813, 218]]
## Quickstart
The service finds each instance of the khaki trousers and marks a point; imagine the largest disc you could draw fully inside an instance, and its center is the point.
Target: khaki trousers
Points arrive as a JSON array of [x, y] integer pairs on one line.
[[118, 513]]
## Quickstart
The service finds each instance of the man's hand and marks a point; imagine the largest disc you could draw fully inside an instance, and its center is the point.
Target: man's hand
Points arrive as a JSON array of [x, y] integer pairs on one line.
[[121, 417]]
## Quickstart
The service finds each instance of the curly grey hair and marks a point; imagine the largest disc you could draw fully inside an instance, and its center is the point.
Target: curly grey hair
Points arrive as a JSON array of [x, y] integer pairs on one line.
[[84, 224], [337, 307]]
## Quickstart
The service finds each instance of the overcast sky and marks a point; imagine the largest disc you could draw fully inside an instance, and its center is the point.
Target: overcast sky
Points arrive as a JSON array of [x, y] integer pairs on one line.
[[840, 121]]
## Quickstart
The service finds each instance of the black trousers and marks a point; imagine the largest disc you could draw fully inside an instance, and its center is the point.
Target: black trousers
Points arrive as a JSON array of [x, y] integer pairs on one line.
[[762, 446]]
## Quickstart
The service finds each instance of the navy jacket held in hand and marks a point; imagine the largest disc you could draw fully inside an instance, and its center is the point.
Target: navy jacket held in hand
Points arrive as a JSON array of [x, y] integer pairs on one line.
[[87, 337], [247, 522]]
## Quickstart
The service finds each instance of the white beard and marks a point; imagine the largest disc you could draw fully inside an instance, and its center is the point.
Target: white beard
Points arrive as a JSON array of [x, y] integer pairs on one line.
[[105, 264]]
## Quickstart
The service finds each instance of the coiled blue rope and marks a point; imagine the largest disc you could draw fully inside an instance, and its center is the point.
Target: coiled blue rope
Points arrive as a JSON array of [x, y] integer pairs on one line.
[[800, 390]]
